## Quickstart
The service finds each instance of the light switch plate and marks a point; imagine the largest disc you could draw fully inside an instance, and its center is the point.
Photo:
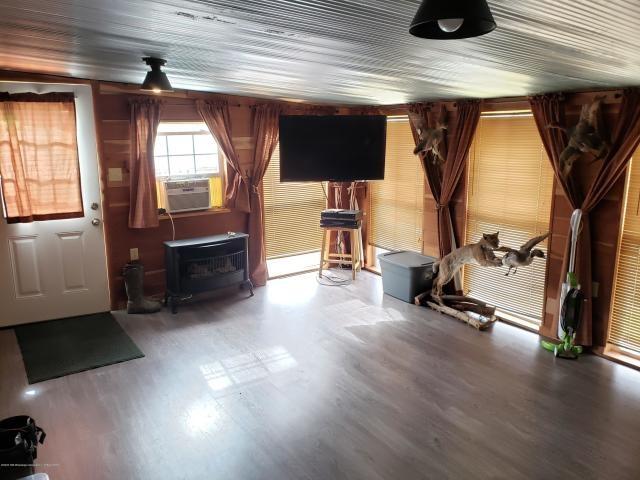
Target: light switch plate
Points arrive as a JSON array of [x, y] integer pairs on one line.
[[595, 287], [115, 174], [133, 254]]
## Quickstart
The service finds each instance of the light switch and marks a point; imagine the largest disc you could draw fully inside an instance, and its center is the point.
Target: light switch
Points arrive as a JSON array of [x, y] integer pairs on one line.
[[115, 174], [133, 254]]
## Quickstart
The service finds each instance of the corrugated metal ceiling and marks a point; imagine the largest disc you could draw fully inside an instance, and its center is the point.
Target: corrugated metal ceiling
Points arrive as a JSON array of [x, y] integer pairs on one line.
[[336, 51]]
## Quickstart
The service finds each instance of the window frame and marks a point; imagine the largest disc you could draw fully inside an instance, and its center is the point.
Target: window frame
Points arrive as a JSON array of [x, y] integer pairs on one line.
[[372, 249], [273, 206], [624, 353], [190, 176], [514, 318]]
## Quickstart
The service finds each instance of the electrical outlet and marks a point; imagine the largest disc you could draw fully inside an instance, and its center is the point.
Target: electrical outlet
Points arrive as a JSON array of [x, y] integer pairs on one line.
[[133, 254]]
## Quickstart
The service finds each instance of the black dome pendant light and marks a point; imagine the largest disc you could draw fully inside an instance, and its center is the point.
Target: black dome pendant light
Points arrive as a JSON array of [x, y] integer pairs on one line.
[[156, 80], [452, 19]]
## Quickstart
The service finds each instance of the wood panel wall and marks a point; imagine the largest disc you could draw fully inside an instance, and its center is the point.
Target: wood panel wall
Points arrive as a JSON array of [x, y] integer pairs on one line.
[[113, 123]]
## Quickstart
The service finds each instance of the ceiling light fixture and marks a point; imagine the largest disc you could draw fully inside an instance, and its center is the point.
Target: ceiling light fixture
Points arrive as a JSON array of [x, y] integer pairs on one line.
[[156, 80], [452, 19]]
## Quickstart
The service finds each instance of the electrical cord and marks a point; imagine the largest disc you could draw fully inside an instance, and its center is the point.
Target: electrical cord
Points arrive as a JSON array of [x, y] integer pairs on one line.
[[164, 211], [333, 280], [173, 226]]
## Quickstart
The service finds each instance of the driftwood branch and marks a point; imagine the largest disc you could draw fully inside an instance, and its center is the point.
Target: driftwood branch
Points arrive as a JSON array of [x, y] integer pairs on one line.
[[480, 324], [466, 307], [462, 299], [422, 299], [457, 306]]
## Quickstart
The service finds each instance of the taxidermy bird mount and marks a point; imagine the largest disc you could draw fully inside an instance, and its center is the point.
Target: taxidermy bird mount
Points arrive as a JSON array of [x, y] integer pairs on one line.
[[522, 257], [430, 139], [587, 136], [480, 253]]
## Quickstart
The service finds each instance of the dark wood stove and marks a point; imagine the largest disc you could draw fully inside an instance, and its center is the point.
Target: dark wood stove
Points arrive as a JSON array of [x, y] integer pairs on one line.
[[202, 264]]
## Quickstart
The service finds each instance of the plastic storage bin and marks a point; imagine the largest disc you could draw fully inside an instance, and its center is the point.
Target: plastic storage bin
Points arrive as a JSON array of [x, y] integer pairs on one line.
[[406, 274]]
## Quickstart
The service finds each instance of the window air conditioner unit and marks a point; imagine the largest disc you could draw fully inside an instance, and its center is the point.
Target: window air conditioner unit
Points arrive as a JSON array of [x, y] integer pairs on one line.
[[186, 195]]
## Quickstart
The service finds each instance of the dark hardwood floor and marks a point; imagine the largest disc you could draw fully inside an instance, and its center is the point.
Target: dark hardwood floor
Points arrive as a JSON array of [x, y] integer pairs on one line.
[[305, 381]]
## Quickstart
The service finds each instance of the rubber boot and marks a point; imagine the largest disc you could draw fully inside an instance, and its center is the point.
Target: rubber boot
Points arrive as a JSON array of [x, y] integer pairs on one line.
[[133, 274]]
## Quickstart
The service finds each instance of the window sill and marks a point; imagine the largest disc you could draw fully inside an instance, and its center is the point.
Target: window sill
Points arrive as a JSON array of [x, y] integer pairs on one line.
[[198, 213], [619, 355], [518, 321]]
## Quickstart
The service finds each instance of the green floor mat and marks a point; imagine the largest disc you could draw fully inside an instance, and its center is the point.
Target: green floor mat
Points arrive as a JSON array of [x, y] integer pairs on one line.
[[61, 347]]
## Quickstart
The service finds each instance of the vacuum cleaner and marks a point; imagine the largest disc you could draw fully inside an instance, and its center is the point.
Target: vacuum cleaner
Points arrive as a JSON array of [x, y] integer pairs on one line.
[[571, 302]]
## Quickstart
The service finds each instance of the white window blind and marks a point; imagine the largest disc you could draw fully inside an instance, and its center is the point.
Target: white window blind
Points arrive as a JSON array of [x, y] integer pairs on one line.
[[291, 213], [396, 202], [510, 190], [624, 330]]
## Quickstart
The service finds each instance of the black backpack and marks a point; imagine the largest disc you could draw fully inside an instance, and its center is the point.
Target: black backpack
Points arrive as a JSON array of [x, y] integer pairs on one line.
[[19, 438]]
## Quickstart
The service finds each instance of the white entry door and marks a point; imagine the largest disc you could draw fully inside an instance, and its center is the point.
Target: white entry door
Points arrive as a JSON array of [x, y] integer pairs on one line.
[[57, 268]]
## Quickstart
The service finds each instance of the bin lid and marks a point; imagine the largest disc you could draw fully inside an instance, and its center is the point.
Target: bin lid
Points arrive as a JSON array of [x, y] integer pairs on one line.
[[406, 259]]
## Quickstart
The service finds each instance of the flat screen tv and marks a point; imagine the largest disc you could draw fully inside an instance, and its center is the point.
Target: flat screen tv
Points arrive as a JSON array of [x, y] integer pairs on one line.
[[341, 148]]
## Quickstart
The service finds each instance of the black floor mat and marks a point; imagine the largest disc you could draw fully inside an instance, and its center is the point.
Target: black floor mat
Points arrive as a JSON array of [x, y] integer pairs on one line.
[[61, 347]]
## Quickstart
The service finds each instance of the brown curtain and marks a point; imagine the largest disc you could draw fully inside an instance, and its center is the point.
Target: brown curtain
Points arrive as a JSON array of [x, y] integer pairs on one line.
[[39, 157], [443, 181], [143, 199], [216, 115], [265, 128], [548, 110]]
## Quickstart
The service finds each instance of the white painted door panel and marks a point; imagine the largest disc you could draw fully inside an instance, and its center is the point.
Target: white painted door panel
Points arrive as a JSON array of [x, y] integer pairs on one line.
[[57, 268]]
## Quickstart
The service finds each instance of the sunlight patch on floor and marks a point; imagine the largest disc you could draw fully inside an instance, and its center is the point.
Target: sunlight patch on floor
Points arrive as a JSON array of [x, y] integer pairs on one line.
[[292, 291], [246, 368]]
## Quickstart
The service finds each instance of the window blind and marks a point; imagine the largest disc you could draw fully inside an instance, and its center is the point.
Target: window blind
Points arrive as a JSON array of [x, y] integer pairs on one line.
[[624, 330], [396, 203], [510, 190], [291, 213]]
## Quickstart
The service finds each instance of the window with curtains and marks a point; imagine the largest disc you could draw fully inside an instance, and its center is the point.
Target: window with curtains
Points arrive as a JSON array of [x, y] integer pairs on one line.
[[291, 214], [39, 165], [624, 329], [510, 183], [185, 150], [396, 203]]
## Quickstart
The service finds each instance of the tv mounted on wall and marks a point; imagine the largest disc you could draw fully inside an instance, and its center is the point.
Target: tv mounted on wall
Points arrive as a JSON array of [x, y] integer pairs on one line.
[[342, 148]]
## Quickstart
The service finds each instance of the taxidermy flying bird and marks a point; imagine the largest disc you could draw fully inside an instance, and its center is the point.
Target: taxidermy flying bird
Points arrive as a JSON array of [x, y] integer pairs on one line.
[[587, 136], [524, 256], [429, 138]]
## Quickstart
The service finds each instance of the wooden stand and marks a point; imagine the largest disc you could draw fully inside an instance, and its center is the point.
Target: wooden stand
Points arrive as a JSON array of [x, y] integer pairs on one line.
[[354, 258]]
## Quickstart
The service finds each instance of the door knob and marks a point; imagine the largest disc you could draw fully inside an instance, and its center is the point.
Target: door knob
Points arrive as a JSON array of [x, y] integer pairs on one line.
[[95, 222]]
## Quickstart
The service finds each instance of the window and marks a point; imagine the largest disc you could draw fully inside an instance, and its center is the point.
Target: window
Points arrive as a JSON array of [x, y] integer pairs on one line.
[[396, 203], [510, 184], [188, 150], [39, 166], [624, 330], [292, 220]]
